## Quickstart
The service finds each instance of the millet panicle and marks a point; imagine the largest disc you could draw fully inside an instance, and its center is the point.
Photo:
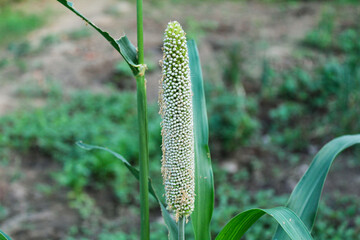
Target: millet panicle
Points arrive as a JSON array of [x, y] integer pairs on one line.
[[175, 101]]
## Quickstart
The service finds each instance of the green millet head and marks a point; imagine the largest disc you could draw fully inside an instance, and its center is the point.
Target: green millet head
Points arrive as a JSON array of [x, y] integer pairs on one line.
[[175, 101]]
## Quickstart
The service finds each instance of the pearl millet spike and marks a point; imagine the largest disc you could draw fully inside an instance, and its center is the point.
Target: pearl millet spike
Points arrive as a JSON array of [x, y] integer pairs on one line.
[[175, 99]]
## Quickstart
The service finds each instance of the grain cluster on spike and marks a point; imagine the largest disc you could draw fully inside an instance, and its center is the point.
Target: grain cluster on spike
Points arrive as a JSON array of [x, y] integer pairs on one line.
[[175, 101]]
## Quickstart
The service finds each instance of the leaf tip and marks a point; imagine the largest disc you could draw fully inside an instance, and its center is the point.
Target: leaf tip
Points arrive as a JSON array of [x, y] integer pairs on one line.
[[82, 145]]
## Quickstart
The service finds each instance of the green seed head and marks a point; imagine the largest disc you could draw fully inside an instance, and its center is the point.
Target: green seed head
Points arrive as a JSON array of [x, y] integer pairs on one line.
[[177, 126]]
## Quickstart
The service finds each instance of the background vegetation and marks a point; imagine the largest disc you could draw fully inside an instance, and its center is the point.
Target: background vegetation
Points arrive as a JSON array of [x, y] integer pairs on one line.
[[261, 123]]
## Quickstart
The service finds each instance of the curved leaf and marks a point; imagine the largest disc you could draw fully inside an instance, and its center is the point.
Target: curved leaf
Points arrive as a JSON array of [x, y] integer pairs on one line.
[[123, 45], [3, 236], [169, 221], [204, 182], [287, 219], [304, 199]]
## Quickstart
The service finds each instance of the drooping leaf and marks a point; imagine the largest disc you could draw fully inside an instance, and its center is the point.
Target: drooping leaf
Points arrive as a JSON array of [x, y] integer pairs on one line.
[[122, 45], [3, 236], [128, 51], [304, 199], [169, 221], [288, 220], [204, 182]]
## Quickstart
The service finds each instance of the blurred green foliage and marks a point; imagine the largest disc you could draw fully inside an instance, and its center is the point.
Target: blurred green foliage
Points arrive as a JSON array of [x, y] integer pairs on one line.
[[232, 119], [108, 120], [338, 224], [320, 103], [331, 223], [322, 36], [15, 24], [232, 115]]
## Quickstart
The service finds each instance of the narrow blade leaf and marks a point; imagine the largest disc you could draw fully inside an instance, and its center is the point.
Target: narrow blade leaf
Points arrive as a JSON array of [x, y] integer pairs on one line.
[[3, 236], [204, 182], [304, 199], [169, 221], [128, 51], [287, 219], [123, 45]]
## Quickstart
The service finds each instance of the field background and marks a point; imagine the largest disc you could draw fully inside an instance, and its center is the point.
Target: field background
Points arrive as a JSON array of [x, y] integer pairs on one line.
[[282, 78]]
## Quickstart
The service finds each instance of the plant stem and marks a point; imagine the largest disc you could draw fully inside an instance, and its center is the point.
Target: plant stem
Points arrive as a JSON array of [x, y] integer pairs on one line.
[[140, 30], [143, 131], [181, 228], [143, 157]]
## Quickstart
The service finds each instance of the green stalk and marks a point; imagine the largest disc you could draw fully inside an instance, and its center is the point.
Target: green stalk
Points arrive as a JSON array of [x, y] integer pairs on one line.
[[143, 130], [181, 228], [140, 30], [143, 157]]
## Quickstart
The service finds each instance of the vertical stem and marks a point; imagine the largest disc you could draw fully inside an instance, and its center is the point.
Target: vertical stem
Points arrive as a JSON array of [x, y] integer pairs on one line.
[[143, 131], [140, 29], [143, 157], [181, 228]]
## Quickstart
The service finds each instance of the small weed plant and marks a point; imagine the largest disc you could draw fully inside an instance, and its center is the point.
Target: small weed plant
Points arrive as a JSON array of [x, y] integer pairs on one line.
[[15, 24]]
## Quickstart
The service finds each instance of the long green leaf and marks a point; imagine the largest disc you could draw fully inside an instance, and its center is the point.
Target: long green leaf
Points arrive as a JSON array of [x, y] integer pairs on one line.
[[3, 236], [304, 199], [122, 45], [204, 182], [287, 219], [169, 221]]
